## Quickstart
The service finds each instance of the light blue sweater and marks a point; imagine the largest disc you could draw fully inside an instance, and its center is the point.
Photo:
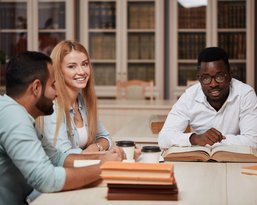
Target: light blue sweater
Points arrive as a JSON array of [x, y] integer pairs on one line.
[[27, 160]]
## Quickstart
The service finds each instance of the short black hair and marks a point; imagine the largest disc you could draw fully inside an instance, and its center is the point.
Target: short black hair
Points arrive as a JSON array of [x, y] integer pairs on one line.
[[23, 69], [213, 54]]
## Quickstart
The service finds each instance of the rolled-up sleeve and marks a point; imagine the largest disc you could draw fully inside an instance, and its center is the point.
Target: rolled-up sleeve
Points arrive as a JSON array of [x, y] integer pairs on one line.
[[103, 133]]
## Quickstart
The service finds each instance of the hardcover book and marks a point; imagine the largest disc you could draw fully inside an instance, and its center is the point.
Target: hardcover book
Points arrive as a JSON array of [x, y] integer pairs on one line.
[[142, 192], [250, 170], [220, 153], [137, 173], [139, 181]]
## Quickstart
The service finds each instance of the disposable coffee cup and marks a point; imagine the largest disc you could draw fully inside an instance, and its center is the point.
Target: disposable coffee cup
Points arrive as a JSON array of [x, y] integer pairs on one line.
[[128, 148], [150, 154]]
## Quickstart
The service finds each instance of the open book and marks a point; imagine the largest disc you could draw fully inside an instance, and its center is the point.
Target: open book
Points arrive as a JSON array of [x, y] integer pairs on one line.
[[220, 153]]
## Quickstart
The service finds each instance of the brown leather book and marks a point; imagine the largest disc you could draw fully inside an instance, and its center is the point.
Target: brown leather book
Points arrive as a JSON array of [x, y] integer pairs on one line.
[[144, 192]]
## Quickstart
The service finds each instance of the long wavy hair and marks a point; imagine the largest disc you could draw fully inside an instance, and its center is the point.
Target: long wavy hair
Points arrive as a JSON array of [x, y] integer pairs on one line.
[[63, 99]]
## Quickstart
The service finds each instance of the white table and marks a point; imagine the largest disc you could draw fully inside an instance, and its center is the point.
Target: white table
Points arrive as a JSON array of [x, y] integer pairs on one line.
[[116, 114], [137, 130], [199, 183], [241, 188]]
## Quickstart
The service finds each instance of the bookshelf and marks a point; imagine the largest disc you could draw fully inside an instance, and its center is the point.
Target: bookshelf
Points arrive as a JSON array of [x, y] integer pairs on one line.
[[33, 25], [125, 42], [224, 23]]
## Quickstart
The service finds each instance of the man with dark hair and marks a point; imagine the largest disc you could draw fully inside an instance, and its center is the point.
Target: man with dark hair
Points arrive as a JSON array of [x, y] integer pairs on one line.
[[219, 109], [27, 160]]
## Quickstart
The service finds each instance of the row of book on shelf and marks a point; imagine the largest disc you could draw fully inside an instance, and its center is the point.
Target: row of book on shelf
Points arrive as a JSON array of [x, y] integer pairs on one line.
[[105, 73], [102, 46], [102, 15], [194, 17], [142, 71], [190, 44], [232, 14], [141, 15], [140, 46], [234, 44]]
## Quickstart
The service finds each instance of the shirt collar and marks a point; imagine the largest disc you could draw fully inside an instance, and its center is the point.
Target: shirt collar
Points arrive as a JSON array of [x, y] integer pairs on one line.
[[80, 99], [11, 100]]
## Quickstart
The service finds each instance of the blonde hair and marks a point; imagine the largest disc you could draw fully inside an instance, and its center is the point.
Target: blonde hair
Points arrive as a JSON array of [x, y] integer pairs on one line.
[[63, 99]]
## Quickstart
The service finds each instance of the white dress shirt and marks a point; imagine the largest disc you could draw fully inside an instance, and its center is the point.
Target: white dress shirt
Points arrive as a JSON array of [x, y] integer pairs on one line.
[[236, 119]]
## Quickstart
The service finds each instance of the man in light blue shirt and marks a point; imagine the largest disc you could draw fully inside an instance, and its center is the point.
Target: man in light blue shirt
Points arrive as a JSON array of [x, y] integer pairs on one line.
[[27, 160]]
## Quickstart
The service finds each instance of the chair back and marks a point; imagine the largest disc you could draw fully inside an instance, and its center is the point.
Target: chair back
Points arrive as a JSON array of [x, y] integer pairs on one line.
[[135, 90]]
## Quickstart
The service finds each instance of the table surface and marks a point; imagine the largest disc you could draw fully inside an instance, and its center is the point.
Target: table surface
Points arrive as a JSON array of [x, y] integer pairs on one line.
[[198, 183], [116, 114], [138, 130]]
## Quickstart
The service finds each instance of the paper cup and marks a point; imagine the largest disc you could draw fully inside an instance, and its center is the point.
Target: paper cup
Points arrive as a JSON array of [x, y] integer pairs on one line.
[[150, 154], [128, 147]]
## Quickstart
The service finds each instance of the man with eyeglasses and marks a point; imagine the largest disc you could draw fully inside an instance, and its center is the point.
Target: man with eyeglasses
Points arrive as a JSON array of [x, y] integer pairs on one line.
[[219, 109]]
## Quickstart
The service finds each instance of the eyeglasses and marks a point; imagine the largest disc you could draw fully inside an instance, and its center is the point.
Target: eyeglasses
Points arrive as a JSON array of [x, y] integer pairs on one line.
[[219, 78]]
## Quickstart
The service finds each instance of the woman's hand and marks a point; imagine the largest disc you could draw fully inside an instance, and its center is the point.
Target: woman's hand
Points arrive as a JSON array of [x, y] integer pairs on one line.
[[137, 153], [90, 148]]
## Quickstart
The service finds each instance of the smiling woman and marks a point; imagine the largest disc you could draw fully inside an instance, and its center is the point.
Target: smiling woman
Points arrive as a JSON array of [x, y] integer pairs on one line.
[[74, 127]]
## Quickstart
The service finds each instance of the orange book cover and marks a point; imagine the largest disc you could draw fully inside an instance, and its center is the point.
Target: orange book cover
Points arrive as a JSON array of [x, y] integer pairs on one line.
[[139, 166], [139, 178], [251, 170], [133, 173]]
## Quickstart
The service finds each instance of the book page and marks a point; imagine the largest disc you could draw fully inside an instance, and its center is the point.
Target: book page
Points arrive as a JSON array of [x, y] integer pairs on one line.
[[234, 153], [84, 163], [179, 149], [187, 153], [233, 148]]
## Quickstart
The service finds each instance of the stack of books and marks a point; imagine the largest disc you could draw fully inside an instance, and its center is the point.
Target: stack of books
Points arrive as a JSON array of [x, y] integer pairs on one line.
[[139, 181]]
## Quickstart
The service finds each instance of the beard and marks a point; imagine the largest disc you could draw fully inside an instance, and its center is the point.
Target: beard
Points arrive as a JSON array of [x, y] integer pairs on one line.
[[45, 105]]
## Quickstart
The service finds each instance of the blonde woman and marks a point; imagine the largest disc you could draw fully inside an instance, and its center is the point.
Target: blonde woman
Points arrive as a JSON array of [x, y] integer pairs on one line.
[[74, 127]]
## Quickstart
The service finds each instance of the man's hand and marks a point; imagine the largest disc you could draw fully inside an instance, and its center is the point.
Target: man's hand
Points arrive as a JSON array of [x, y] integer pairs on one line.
[[210, 137]]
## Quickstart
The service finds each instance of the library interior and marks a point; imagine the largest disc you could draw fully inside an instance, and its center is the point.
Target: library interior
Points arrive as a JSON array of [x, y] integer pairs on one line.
[[144, 56]]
